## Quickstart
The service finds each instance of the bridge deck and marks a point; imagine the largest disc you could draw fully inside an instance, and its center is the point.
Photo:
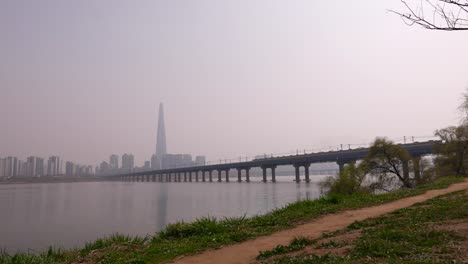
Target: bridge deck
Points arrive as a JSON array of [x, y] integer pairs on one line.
[[342, 156]]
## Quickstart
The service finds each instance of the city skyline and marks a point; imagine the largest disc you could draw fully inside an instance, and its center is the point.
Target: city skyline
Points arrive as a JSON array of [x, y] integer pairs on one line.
[[80, 80]]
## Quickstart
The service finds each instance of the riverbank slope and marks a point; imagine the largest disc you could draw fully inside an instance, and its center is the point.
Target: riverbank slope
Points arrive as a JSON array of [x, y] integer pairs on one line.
[[183, 239]]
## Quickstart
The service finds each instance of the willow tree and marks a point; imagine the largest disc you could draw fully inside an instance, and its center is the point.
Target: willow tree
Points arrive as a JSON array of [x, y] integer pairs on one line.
[[387, 161]]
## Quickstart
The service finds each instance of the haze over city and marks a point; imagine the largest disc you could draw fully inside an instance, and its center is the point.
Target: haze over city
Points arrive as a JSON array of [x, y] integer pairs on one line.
[[83, 79]]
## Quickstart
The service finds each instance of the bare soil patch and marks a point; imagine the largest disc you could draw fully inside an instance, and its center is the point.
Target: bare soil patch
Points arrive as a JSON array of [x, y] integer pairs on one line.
[[459, 250]]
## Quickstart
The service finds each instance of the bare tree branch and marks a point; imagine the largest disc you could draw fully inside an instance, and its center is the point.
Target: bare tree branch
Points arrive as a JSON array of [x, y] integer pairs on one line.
[[447, 15]]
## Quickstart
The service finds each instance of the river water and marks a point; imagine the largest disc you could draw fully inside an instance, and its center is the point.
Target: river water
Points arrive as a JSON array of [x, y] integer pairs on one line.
[[66, 215]]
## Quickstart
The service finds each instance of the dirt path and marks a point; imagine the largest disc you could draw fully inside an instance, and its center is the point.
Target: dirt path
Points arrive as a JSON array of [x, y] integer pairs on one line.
[[246, 252]]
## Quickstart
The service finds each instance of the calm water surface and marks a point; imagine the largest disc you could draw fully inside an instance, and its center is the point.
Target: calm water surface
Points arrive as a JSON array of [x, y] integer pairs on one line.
[[36, 216]]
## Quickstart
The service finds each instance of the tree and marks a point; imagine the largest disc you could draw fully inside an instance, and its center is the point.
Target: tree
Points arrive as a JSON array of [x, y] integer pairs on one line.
[[448, 15], [348, 181], [463, 108], [452, 151], [387, 161]]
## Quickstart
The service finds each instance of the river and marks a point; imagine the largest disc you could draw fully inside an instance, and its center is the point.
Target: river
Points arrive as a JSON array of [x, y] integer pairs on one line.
[[66, 215]]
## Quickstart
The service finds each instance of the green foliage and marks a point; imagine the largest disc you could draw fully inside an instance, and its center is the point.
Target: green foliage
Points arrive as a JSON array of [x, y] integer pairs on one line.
[[112, 240], [385, 160], [310, 259], [349, 181], [452, 151], [297, 243], [407, 233]]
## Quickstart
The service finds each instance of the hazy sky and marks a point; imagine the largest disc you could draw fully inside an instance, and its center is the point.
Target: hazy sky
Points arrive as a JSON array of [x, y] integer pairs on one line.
[[83, 79]]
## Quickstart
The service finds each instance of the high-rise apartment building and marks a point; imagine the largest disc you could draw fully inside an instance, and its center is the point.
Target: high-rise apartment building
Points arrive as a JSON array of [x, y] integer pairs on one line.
[[114, 162], [53, 166], [2, 167], [155, 162], [34, 167], [128, 162], [70, 169], [104, 167], [11, 167], [200, 160]]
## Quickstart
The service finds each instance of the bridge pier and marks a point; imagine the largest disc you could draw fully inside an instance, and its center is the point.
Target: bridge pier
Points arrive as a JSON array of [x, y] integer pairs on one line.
[[210, 175], [405, 170], [219, 175], [306, 172], [273, 174], [264, 171], [203, 176], [190, 176], [227, 175], [298, 173], [247, 175], [196, 176], [340, 166], [239, 175], [417, 169], [185, 176]]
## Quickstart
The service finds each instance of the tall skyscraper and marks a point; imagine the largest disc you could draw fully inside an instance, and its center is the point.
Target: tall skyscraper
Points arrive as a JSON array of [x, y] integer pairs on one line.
[[161, 149]]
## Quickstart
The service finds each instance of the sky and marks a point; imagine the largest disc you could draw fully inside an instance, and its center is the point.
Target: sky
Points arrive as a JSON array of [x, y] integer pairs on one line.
[[84, 79]]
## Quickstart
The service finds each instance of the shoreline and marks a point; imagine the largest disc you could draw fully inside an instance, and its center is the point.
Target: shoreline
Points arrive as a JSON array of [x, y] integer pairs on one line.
[[182, 239], [52, 180]]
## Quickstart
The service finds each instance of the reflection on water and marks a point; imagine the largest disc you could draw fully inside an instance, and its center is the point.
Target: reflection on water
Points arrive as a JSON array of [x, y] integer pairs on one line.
[[35, 216]]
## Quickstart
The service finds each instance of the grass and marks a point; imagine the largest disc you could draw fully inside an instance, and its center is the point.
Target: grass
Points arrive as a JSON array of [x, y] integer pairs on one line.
[[189, 238], [404, 236]]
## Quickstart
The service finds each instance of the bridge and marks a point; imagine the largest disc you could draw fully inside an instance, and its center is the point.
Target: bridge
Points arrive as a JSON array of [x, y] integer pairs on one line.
[[205, 173]]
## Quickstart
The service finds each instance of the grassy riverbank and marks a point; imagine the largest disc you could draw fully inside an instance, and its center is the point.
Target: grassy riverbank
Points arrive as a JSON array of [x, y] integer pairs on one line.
[[188, 238], [434, 231]]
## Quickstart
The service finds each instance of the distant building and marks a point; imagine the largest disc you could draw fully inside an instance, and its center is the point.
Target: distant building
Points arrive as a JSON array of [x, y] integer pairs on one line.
[[161, 147], [35, 166], [128, 162], [161, 159], [2, 168], [114, 162], [104, 168], [147, 165], [39, 167], [69, 169], [10, 167], [22, 168], [155, 162], [53, 166], [200, 160], [170, 161]]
